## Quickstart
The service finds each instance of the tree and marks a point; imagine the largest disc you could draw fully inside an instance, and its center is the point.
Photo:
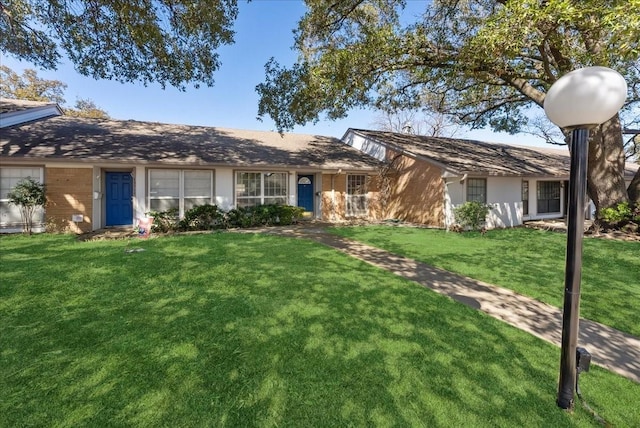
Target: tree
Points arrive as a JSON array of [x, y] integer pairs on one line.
[[29, 86], [28, 195], [86, 108], [166, 41], [414, 122], [633, 144], [490, 61]]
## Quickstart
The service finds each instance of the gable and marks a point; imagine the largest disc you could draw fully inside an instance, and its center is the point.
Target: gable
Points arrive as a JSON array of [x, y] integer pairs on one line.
[[18, 112]]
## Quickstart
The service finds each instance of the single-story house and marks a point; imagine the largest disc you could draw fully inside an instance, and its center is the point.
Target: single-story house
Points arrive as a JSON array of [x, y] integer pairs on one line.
[[104, 173], [430, 176]]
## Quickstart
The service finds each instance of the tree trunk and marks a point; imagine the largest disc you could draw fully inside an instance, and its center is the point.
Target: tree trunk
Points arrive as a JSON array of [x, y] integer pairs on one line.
[[634, 189], [605, 174]]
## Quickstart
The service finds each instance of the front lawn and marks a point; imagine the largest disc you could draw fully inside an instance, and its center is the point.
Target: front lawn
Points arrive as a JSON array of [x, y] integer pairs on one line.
[[250, 330], [530, 262]]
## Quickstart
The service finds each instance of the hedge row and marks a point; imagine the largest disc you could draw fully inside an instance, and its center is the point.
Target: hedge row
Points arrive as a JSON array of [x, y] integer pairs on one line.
[[210, 217]]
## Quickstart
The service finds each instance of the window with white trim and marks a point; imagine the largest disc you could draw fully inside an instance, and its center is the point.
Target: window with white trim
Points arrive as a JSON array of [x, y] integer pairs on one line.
[[356, 195], [179, 189], [477, 190], [9, 177], [261, 188]]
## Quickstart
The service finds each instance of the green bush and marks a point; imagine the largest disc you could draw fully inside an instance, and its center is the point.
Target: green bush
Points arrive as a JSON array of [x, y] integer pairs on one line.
[[203, 217], [472, 214], [288, 214], [264, 215], [28, 195], [239, 217], [210, 217], [164, 221], [618, 214]]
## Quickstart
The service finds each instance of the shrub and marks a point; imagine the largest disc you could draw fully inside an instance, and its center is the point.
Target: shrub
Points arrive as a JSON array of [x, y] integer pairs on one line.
[[164, 221], [203, 217], [618, 214], [210, 217], [28, 195], [264, 215], [288, 214], [239, 217], [472, 214]]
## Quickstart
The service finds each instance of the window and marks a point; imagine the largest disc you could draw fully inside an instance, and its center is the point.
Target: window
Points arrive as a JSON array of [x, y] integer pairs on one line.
[[261, 188], [548, 197], [275, 188], [179, 189], [356, 195], [525, 198], [9, 213], [477, 190], [164, 189], [197, 188]]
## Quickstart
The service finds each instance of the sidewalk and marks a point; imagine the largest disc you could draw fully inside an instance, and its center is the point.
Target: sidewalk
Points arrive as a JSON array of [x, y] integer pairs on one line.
[[609, 348]]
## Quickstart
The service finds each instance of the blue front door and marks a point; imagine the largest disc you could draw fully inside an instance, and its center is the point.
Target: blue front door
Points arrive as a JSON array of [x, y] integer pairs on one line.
[[118, 192], [305, 192]]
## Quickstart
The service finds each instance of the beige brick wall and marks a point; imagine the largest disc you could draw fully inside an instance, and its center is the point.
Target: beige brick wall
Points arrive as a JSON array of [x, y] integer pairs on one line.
[[375, 208], [69, 191], [333, 199], [334, 189], [416, 192]]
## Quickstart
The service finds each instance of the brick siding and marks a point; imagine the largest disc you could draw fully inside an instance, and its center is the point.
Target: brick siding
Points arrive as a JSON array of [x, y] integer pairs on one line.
[[416, 193], [334, 203], [69, 191]]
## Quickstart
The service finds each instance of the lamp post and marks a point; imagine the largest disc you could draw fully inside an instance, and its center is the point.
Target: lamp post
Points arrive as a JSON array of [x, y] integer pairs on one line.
[[579, 100]]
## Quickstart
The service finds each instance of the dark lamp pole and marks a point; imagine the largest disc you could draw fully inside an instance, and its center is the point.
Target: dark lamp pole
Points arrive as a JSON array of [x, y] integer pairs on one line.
[[578, 101]]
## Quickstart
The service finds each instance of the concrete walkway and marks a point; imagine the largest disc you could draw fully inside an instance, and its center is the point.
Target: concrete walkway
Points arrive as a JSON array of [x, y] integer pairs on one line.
[[609, 348]]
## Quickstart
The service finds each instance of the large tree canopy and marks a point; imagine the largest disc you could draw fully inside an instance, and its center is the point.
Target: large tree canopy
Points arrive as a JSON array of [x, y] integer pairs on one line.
[[485, 61], [166, 41]]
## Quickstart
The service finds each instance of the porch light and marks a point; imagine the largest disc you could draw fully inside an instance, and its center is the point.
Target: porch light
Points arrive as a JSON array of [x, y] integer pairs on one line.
[[578, 101]]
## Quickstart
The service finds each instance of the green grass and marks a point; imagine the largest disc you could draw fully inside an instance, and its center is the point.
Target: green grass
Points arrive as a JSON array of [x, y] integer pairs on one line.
[[251, 330], [530, 262]]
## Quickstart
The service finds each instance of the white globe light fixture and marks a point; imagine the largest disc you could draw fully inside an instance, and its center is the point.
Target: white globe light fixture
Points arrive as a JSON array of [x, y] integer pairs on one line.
[[585, 97], [578, 101]]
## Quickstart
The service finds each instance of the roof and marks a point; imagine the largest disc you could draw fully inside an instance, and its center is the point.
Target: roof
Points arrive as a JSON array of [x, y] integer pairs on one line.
[[460, 156], [66, 138], [15, 112]]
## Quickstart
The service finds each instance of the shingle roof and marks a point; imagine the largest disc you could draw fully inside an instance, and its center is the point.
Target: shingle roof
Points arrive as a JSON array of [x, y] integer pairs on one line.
[[80, 139], [472, 157]]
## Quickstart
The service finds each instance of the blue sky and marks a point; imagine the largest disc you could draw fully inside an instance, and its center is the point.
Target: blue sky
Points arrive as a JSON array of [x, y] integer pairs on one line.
[[264, 28]]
